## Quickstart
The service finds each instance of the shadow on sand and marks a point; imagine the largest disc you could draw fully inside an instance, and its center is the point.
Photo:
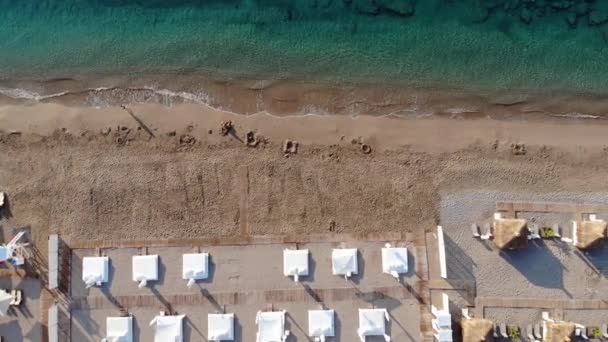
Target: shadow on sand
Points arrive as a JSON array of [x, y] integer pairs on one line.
[[538, 264]]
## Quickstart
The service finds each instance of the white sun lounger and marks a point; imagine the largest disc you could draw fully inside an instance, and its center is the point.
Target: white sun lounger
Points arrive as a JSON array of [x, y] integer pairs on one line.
[[534, 231], [530, 333], [583, 331], [475, 230], [465, 313], [557, 230], [605, 330], [503, 330], [486, 232], [538, 333]]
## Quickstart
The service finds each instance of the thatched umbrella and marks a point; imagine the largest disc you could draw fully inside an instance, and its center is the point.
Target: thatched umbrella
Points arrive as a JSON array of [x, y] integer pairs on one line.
[[510, 233], [559, 331], [477, 330], [590, 234]]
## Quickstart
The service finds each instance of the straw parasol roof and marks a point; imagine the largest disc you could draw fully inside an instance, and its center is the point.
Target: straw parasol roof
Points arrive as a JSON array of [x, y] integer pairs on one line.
[[590, 234], [559, 332], [510, 233], [477, 330]]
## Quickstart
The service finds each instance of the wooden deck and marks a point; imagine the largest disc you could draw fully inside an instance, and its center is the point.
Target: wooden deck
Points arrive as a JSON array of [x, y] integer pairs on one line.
[[245, 240], [535, 303]]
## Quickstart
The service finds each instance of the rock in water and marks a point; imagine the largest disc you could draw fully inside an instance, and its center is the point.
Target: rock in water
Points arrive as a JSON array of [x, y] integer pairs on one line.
[[571, 19], [599, 13], [404, 8], [365, 7], [581, 8], [526, 15]]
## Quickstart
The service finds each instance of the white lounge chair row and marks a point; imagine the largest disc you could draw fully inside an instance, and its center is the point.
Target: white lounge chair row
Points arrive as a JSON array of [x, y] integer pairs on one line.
[[271, 326], [95, 270]]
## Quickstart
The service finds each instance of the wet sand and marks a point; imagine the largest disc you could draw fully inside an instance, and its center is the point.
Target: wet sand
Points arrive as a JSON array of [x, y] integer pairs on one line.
[[293, 97]]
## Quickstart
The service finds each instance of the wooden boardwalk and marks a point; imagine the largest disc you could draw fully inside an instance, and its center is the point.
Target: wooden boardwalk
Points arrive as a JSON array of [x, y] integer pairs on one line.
[[512, 208], [244, 240], [535, 303]]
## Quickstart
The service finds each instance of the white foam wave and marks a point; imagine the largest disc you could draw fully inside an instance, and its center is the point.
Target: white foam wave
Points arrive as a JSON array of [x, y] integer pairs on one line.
[[19, 93], [201, 98], [575, 115]]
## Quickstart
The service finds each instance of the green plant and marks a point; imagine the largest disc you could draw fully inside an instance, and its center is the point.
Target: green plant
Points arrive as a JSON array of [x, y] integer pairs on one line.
[[595, 332], [547, 232], [513, 332]]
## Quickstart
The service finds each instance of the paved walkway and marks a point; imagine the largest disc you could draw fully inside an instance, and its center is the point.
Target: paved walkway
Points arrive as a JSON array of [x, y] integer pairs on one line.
[[301, 295], [565, 304]]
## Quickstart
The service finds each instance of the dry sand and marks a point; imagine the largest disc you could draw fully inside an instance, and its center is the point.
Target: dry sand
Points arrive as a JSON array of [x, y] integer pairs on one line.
[[64, 176]]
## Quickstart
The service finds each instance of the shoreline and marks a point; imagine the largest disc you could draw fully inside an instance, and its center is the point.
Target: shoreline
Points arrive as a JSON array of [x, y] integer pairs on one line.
[[294, 98], [433, 135]]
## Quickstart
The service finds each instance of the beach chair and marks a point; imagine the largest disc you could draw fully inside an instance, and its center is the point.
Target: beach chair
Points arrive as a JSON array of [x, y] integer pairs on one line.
[[605, 330], [17, 297], [538, 333], [496, 329], [534, 231], [584, 332], [475, 230], [487, 232], [557, 230], [545, 316], [465, 313], [503, 330], [530, 333]]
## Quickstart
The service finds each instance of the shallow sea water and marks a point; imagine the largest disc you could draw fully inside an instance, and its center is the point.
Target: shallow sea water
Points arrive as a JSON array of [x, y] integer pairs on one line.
[[540, 46]]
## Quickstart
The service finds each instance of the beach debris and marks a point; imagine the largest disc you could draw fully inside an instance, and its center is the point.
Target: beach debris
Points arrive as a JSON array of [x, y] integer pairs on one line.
[[106, 130], [495, 145], [226, 127], [14, 132], [2, 196], [186, 140], [120, 140], [171, 133], [366, 148], [332, 226], [122, 135], [124, 129], [210, 131], [290, 147], [518, 149], [251, 139]]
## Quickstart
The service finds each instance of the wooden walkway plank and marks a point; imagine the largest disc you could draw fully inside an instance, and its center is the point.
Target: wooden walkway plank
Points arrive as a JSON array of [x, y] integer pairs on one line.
[[240, 240], [547, 207]]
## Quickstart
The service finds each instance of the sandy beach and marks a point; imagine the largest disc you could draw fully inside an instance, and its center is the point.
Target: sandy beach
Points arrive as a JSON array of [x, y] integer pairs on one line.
[[153, 172], [90, 173]]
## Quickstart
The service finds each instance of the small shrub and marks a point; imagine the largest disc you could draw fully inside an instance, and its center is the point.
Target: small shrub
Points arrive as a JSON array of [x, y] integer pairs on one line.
[[547, 232], [595, 332], [513, 331]]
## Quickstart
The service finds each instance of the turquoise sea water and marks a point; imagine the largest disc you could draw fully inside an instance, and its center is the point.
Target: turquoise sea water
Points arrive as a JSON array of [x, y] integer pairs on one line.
[[496, 44]]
